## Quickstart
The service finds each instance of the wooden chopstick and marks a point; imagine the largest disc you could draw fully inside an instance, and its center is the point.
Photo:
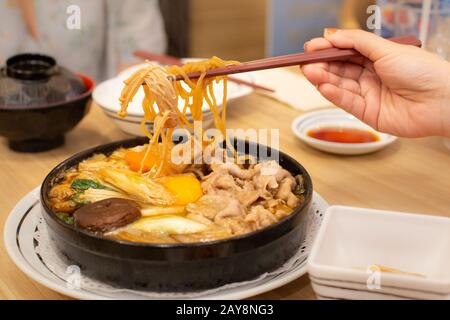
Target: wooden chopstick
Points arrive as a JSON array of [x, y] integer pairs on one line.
[[333, 54], [169, 60]]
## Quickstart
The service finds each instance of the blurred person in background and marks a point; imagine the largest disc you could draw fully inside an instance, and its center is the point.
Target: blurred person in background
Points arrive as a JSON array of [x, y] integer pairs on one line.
[[92, 37]]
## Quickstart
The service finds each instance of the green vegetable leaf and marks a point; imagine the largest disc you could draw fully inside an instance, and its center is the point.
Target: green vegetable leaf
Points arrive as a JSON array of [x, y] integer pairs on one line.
[[84, 184], [67, 218]]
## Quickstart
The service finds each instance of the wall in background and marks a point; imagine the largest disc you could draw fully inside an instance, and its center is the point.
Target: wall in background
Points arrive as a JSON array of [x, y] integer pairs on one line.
[[230, 29], [292, 22], [251, 29], [176, 20]]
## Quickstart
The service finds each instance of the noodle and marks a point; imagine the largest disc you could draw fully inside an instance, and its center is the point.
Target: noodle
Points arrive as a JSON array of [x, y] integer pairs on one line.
[[160, 103]]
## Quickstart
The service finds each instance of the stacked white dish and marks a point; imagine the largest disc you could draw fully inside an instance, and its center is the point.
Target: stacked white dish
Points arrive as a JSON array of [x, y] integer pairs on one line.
[[354, 247], [107, 93]]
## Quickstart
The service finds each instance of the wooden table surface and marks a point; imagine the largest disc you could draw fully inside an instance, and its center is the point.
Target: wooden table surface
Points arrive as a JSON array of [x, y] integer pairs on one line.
[[410, 175]]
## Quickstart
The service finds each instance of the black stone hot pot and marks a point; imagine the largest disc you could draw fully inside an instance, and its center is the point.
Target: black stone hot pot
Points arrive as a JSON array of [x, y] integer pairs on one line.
[[176, 267]]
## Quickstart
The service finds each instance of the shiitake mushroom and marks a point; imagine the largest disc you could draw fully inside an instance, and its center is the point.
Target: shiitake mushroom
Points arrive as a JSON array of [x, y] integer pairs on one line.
[[106, 215]]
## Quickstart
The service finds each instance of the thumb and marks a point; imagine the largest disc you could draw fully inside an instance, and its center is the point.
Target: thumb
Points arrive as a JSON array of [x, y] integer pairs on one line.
[[368, 44]]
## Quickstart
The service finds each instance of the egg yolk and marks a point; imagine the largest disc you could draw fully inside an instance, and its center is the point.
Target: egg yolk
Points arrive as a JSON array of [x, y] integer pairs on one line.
[[185, 187]]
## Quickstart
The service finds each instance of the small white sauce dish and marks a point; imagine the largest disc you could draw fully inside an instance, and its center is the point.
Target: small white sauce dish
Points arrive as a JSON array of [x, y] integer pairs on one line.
[[350, 240], [337, 118], [107, 94]]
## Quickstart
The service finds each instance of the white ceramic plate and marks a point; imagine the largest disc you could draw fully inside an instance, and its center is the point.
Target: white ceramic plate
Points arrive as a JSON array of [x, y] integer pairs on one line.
[[352, 239], [28, 244], [334, 117]]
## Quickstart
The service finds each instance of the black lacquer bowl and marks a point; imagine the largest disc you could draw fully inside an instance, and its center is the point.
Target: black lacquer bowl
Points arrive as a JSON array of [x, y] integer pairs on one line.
[[176, 267], [40, 101]]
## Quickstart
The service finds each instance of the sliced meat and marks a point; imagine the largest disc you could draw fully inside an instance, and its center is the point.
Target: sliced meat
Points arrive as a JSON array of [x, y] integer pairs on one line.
[[220, 181], [246, 198], [281, 213], [216, 207], [225, 182], [292, 200], [233, 209], [267, 177], [265, 182], [272, 168], [282, 174], [286, 187], [273, 204], [279, 208], [209, 205], [237, 172], [260, 217], [106, 215], [235, 226], [285, 192]]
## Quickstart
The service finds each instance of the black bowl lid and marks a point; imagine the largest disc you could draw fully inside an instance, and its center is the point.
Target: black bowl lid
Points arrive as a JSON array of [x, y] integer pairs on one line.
[[30, 66], [32, 80]]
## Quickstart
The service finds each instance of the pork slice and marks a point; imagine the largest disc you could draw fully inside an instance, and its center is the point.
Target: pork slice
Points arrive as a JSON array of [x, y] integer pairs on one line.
[[226, 182], [272, 204], [272, 168], [233, 209], [285, 189], [263, 183], [280, 213], [216, 207], [259, 217], [220, 181], [282, 174], [209, 205], [246, 198], [292, 200], [236, 171], [235, 226]]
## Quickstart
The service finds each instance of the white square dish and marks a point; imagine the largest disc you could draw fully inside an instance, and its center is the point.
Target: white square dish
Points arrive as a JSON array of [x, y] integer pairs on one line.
[[351, 240]]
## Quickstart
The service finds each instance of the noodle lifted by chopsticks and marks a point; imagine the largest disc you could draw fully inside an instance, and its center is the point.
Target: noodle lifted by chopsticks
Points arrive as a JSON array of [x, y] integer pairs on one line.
[[160, 104]]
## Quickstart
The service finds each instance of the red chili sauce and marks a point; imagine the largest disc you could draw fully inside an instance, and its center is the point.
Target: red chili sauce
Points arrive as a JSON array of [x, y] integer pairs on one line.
[[343, 135]]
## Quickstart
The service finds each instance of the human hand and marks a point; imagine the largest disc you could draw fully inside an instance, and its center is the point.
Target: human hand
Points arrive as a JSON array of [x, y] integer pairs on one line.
[[394, 88]]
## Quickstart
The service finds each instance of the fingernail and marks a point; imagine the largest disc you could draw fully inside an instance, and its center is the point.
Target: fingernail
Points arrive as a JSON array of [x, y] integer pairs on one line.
[[329, 31], [305, 45]]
